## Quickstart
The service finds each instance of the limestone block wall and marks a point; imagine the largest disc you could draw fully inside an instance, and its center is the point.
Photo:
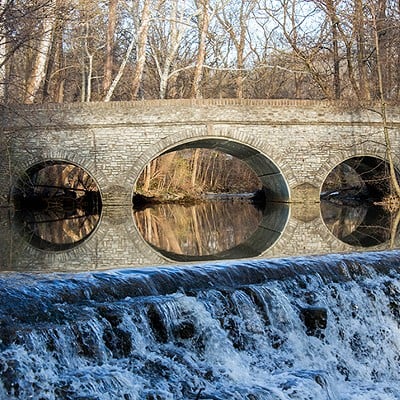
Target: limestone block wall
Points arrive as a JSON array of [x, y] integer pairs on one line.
[[114, 141], [304, 140]]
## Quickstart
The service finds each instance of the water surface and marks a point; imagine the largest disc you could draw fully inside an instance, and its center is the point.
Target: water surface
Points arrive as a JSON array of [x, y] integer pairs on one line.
[[67, 239]]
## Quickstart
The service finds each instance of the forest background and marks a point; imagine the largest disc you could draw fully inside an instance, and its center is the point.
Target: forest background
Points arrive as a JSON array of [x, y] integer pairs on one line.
[[83, 50]]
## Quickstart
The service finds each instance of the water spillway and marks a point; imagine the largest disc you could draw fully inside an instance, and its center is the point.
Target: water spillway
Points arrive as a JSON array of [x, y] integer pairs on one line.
[[298, 328]]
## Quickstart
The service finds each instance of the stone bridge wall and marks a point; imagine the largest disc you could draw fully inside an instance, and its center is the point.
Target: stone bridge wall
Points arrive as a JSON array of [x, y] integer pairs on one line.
[[114, 141]]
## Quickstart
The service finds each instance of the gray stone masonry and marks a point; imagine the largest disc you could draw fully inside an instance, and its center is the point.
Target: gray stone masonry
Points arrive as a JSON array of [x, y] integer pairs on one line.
[[298, 141], [291, 144]]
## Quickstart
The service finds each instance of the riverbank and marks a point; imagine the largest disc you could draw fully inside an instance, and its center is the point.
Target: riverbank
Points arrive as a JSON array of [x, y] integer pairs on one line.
[[140, 200]]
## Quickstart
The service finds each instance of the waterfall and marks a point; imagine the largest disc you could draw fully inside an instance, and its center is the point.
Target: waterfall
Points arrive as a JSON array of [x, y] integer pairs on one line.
[[299, 328]]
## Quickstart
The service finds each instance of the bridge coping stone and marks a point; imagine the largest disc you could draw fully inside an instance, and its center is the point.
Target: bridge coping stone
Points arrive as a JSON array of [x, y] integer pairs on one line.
[[263, 111]]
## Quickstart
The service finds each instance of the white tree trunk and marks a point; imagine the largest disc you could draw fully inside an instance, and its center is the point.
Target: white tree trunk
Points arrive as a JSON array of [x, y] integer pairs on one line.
[[39, 67], [89, 55], [120, 72], [201, 54], [141, 48]]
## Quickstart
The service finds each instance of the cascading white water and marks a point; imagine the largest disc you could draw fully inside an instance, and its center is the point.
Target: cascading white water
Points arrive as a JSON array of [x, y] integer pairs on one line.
[[328, 328]]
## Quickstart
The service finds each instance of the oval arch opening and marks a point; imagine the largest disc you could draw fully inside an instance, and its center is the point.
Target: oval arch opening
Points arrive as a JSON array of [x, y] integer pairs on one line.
[[352, 198], [57, 205], [231, 220]]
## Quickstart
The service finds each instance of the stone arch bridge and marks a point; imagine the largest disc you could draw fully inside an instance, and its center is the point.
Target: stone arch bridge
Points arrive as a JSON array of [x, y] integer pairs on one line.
[[292, 145]]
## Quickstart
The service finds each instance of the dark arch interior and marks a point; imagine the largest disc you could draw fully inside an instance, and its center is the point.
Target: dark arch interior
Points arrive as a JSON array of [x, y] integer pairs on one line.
[[363, 179], [273, 183], [57, 205], [349, 201]]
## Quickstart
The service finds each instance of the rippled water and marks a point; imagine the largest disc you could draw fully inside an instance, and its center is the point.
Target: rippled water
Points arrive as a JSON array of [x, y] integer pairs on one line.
[[301, 328]]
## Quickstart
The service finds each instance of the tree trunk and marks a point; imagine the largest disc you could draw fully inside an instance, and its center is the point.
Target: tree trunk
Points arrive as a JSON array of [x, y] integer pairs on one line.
[[336, 58], [204, 21], [141, 49], [88, 76], [37, 74], [164, 65], [120, 72], [335, 29], [382, 45], [389, 152], [240, 54], [56, 46], [195, 165], [3, 55], [61, 74], [364, 91], [109, 62], [238, 40]]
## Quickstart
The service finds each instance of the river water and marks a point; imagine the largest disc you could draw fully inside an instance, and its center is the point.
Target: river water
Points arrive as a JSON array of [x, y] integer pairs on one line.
[[214, 227], [233, 228], [307, 328]]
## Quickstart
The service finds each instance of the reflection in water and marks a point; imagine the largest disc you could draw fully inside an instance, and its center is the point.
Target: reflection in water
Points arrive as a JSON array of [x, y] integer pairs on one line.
[[57, 205], [203, 229], [364, 225], [348, 202], [55, 230]]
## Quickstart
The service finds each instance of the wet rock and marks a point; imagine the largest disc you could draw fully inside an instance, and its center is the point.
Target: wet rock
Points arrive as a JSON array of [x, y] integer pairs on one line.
[[393, 294], [157, 368], [277, 341], [315, 319], [185, 330], [118, 341], [157, 324]]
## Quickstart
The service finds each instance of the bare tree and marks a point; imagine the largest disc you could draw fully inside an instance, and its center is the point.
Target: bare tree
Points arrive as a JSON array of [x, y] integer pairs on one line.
[[80, 50], [167, 35], [141, 48], [334, 22], [21, 27], [203, 24], [305, 33], [108, 65], [116, 79], [359, 27], [55, 60], [3, 50], [38, 70], [236, 23], [377, 26]]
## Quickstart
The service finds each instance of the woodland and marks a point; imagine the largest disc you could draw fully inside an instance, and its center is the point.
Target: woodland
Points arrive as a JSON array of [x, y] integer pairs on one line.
[[59, 51], [84, 50]]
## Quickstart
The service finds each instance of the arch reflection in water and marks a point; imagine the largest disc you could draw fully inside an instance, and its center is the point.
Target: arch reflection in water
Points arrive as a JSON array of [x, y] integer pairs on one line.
[[361, 226], [211, 230], [348, 202], [57, 205]]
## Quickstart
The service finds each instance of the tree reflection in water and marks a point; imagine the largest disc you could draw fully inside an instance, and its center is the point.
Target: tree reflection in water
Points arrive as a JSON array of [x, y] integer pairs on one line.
[[350, 200], [364, 225], [54, 229], [57, 205], [202, 229]]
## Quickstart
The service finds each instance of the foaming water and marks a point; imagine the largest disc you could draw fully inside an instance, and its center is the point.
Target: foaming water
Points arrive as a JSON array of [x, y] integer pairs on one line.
[[305, 328]]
